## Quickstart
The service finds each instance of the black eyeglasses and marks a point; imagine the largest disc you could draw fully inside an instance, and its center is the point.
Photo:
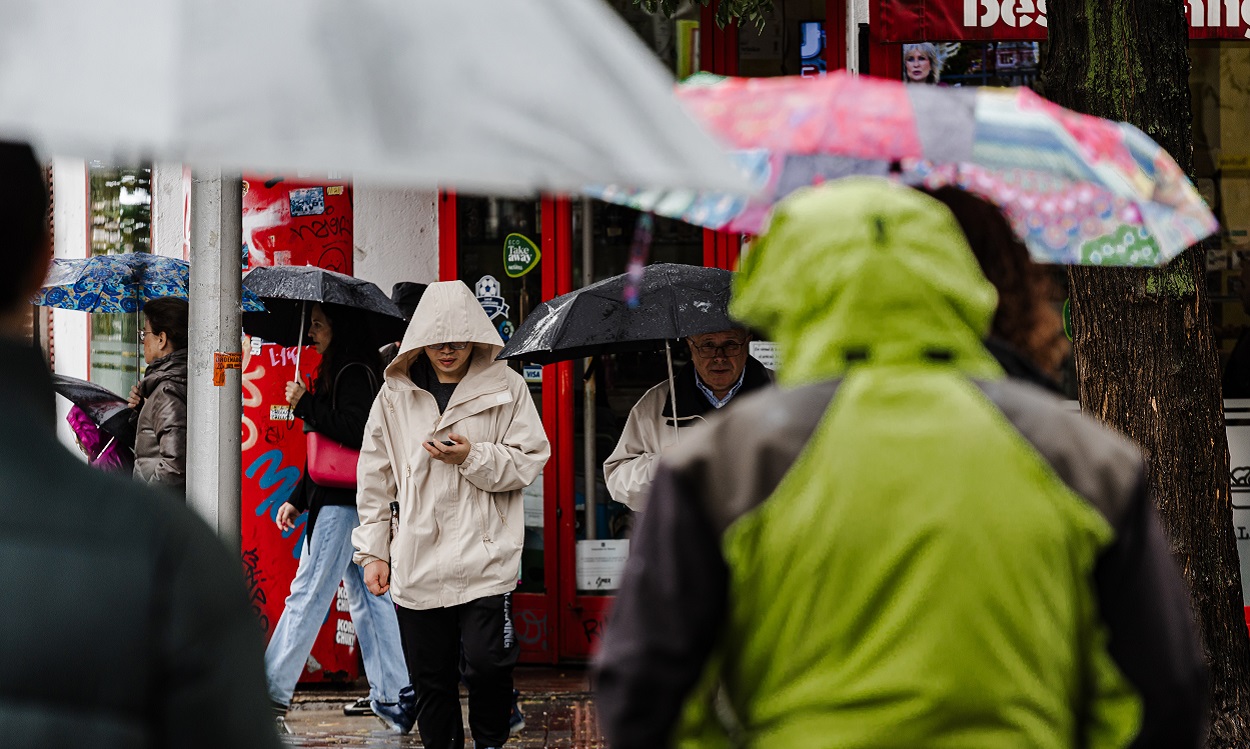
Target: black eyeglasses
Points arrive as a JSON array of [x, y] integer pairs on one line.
[[441, 346], [709, 350]]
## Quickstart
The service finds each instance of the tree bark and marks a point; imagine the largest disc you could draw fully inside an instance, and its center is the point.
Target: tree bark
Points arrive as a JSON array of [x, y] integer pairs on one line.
[[1145, 352]]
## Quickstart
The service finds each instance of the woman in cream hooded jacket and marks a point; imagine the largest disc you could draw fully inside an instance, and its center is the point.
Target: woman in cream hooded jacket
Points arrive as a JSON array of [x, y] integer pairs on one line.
[[461, 527]]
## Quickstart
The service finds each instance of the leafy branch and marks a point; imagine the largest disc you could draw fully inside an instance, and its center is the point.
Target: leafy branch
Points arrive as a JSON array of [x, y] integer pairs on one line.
[[755, 11]]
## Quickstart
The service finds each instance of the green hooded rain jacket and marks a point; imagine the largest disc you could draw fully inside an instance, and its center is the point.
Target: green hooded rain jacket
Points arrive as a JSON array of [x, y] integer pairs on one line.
[[899, 547]]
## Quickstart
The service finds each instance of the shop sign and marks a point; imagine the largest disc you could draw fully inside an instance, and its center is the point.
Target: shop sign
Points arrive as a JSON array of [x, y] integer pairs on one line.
[[1238, 426], [1024, 20], [520, 255]]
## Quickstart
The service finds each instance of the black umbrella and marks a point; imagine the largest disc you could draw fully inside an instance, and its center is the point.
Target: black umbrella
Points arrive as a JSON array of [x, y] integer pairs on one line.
[[289, 290], [107, 409], [674, 301]]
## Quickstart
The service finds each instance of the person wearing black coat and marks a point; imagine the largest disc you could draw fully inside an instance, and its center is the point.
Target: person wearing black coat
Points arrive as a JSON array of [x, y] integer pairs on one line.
[[337, 407], [129, 625]]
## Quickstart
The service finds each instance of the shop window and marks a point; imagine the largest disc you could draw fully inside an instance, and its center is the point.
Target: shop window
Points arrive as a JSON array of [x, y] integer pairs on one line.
[[1219, 84], [675, 41], [120, 215], [792, 41]]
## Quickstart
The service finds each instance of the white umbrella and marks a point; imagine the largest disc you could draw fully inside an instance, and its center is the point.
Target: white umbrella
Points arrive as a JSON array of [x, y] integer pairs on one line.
[[495, 96]]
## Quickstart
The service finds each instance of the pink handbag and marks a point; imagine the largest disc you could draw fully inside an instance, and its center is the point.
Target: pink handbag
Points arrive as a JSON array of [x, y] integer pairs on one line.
[[331, 463]]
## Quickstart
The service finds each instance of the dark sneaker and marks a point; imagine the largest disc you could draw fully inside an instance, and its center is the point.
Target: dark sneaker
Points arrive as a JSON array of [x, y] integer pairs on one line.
[[398, 716], [359, 707], [516, 721], [279, 717], [279, 725]]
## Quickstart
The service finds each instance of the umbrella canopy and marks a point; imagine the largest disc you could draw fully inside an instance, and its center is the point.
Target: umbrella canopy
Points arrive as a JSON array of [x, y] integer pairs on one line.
[[490, 96], [1078, 189], [119, 283], [290, 290], [107, 409], [674, 301]]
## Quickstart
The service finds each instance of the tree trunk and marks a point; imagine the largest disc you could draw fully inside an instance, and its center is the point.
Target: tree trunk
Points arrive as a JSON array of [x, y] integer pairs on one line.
[[1145, 353]]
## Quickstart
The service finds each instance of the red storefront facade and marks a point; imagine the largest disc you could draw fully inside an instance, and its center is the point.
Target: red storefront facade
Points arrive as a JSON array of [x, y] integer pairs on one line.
[[559, 614]]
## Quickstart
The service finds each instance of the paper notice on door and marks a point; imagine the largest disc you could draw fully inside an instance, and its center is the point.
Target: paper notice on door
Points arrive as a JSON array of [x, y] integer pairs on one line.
[[765, 352], [600, 564]]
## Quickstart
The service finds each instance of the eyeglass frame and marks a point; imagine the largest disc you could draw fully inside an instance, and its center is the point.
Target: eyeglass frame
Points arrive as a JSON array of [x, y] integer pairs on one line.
[[457, 346], [723, 349]]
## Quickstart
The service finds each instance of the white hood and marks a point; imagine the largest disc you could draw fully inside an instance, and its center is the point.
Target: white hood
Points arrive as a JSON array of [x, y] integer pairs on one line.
[[447, 312]]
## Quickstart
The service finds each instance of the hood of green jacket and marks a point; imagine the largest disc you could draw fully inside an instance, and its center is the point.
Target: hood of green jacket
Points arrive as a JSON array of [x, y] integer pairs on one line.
[[864, 270]]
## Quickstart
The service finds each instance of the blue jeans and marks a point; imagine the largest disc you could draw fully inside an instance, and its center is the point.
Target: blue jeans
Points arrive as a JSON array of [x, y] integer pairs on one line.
[[312, 593]]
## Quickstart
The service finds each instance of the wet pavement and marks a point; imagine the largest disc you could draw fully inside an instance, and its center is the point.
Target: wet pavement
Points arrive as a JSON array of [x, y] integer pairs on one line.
[[559, 713]]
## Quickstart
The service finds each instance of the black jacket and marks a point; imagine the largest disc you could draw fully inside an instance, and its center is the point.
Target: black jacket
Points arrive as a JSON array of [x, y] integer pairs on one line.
[[341, 416], [129, 625]]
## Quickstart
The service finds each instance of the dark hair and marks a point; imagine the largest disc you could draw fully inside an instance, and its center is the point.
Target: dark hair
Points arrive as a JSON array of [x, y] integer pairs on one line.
[[407, 295], [349, 342], [168, 315], [1025, 317], [24, 216]]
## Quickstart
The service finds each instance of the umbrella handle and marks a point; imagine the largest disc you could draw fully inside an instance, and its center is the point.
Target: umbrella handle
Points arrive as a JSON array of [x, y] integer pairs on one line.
[[672, 388], [299, 352]]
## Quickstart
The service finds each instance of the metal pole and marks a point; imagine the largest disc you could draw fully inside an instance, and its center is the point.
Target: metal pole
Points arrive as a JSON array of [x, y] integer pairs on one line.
[[299, 352], [672, 389], [215, 411], [589, 426]]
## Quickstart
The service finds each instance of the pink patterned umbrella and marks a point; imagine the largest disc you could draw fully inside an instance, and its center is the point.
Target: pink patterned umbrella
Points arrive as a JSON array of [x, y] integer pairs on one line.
[[1078, 189]]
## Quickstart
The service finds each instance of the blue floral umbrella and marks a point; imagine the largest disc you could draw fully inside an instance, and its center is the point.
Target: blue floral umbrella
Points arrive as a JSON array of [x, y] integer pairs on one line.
[[120, 283]]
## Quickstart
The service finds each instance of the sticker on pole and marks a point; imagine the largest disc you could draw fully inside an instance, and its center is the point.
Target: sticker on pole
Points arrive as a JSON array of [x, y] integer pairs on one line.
[[520, 255], [600, 564], [222, 362]]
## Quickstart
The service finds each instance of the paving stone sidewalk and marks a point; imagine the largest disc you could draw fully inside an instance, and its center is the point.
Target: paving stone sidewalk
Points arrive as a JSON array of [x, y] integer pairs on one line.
[[558, 707]]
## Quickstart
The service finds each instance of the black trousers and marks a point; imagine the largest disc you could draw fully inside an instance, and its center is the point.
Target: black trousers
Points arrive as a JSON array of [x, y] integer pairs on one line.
[[433, 641]]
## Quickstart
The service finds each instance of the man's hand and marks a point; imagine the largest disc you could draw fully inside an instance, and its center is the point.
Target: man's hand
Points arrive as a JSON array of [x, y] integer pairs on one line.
[[453, 454], [294, 391], [286, 517], [136, 398], [378, 577]]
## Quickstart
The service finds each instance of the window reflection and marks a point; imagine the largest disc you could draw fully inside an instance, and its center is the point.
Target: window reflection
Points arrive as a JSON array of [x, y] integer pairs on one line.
[[120, 216]]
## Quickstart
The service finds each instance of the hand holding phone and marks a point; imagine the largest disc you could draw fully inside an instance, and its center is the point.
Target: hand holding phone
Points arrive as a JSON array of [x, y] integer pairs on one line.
[[454, 450]]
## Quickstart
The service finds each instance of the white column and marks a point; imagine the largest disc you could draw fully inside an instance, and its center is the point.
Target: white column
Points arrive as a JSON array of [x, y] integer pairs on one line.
[[71, 338], [215, 411], [856, 13], [169, 209], [395, 233]]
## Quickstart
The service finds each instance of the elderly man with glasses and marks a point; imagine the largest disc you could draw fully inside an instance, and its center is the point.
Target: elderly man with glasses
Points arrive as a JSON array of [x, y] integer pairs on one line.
[[720, 369]]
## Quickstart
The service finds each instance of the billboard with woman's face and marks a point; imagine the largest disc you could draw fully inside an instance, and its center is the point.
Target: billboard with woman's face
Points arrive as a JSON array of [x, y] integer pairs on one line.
[[971, 63]]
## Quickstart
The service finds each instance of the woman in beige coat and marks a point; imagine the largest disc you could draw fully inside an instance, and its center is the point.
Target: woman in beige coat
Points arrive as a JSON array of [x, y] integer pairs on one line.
[[452, 438]]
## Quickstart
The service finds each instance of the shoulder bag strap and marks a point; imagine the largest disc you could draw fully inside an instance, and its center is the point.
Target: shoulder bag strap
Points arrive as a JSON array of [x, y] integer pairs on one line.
[[334, 389]]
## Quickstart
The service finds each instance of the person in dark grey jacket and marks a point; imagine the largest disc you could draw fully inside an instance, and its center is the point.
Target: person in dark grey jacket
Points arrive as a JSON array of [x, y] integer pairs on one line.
[[130, 626], [161, 396]]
